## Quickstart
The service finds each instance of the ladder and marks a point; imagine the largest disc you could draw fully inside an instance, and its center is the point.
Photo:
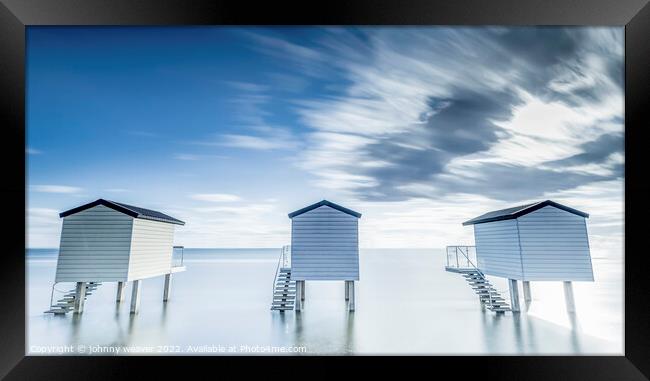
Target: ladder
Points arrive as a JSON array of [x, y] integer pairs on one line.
[[488, 295], [459, 260], [284, 288], [66, 304]]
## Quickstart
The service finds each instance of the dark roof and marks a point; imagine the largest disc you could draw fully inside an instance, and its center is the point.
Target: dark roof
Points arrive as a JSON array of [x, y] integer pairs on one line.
[[518, 211], [133, 211], [324, 203]]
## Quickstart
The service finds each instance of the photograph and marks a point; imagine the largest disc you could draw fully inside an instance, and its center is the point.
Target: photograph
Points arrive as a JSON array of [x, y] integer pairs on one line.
[[225, 190]]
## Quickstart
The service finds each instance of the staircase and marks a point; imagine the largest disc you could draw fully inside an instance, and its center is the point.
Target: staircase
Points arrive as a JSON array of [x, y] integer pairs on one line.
[[487, 294], [66, 304], [284, 293], [284, 289], [460, 259]]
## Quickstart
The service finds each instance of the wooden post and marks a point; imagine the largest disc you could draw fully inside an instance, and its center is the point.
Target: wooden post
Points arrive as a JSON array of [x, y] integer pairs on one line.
[[351, 294], [298, 294], [527, 295], [302, 290], [347, 291], [79, 297], [568, 297], [120, 292], [167, 288], [135, 297], [514, 295]]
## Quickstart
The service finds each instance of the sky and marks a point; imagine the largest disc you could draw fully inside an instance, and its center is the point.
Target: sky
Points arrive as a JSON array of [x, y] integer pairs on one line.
[[417, 128]]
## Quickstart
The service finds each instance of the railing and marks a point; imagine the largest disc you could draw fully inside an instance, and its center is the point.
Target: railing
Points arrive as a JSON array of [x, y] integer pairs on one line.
[[177, 256], [462, 257], [286, 256], [57, 290], [284, 261]]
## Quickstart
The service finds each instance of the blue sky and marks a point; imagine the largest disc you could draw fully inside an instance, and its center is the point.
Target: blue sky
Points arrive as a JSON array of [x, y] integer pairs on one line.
[[232, 128]]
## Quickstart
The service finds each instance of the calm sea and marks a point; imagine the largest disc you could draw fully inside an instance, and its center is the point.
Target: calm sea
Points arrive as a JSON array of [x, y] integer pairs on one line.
[[406, 304]]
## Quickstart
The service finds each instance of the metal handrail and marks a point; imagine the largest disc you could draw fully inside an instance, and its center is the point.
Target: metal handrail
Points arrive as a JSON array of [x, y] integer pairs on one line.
[[466, 255], [281, 261], [54, 289], [469, 262]]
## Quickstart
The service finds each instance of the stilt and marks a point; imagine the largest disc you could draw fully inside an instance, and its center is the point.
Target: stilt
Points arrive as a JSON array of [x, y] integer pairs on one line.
[[168, 286], [347, 291], [79, 297], [120, 292], [350, 287], [302, 290], [135, 297], [527, 296], [514, 295], [568, 297], [298, 294]]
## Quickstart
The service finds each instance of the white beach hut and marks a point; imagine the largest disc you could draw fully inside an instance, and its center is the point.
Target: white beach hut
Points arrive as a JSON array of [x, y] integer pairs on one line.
[[542, 241], [108, 241], [324, 247]]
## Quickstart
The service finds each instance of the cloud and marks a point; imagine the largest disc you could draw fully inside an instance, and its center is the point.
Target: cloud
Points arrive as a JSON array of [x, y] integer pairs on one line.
[[240, 226], [215, 197], [467, 110], [33, 151], [309, 60], [597, 151], [268, 138], [249, 107], [43, 227], [187, 157], [63, 189]]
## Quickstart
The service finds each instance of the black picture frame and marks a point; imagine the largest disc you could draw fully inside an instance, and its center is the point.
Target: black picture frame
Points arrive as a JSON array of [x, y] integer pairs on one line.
[[15, 15]]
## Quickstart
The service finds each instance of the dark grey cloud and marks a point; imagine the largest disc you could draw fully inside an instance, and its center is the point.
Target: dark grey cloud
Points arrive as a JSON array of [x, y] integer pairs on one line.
[[595, 151], [465, 122], [461, 125], [515, 182]]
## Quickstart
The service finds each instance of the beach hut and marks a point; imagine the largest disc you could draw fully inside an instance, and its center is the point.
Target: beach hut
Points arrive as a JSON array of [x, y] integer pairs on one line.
[[108, 241], [324, 247], [542, 241]]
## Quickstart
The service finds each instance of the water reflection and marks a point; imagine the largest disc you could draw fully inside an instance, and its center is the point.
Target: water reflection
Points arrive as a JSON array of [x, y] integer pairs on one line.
[[349, 333], [429, 312]]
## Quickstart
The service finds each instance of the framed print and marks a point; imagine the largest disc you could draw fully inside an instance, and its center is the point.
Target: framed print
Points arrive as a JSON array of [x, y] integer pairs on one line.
[[208, 182]]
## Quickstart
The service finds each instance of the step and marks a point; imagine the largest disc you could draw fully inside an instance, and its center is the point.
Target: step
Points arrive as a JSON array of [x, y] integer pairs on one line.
[[63, 305], [498, 309], [56, 312], [494, 298], [282, 308], [278, 304]]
